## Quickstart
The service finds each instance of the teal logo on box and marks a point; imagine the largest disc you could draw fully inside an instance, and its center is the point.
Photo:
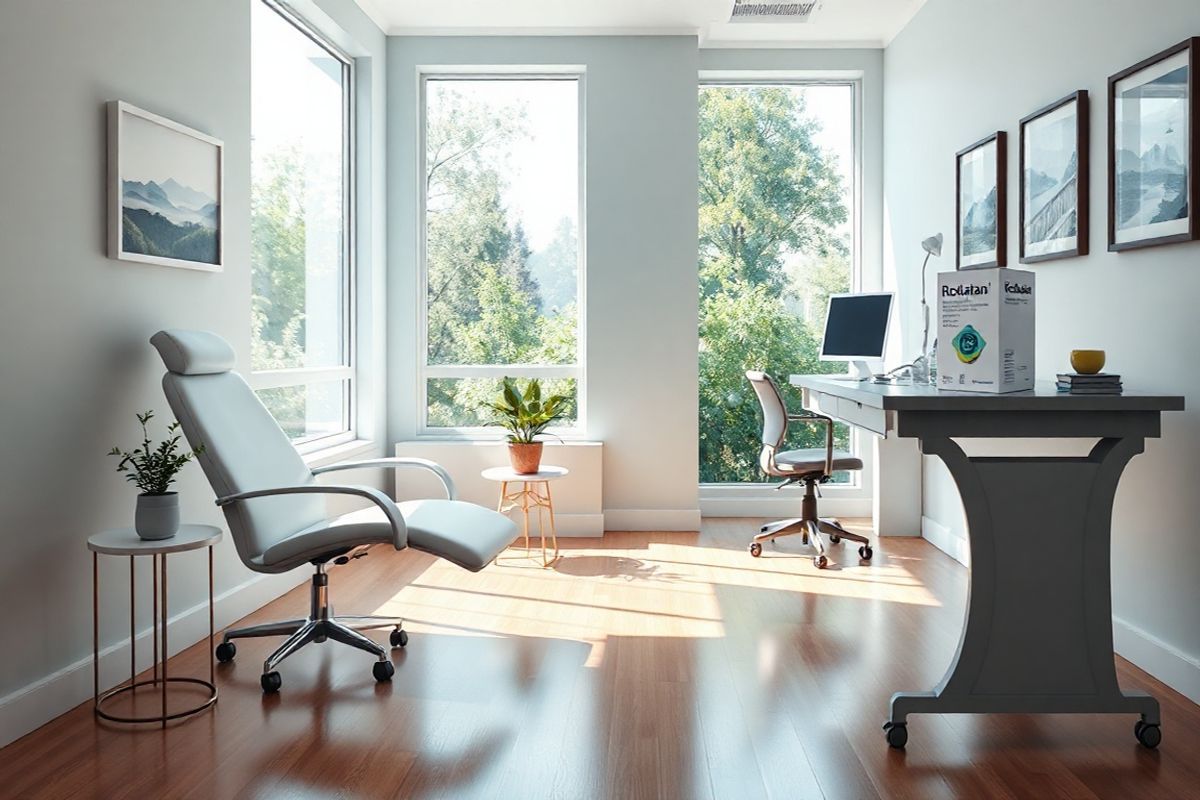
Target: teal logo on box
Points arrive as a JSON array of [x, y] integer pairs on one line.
[[968, 345]]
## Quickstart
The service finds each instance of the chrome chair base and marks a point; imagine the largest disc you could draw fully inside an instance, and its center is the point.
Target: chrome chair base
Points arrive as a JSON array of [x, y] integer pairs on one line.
[[810, 527]]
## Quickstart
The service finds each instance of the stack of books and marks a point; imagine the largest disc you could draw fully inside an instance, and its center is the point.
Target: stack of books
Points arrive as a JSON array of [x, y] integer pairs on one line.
[[1100, 383]]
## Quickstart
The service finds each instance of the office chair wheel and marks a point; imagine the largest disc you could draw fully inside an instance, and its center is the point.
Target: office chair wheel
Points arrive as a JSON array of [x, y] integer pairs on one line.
[[833, 537], [897, 734], [1149, 736], [398, 638], [756, 549], [383, 671], [865, 552], [271, 681], [820, 562], [226, 651]]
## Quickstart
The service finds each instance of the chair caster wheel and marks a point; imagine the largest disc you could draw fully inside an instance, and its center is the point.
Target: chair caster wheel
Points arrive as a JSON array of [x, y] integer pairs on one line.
[[820, 562], [398, 638], [865, 552], [226, 651], [271, 681], [756, 549], [833, 537], [383, 671], [897, 734], [1149, 736]]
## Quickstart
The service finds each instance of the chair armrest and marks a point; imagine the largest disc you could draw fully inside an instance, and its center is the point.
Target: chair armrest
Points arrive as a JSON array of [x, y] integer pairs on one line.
[[397, 463], [394, 517], [810, 416]]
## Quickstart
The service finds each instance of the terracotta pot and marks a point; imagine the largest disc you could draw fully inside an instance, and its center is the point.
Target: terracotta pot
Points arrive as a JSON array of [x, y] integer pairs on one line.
[[525, 458]]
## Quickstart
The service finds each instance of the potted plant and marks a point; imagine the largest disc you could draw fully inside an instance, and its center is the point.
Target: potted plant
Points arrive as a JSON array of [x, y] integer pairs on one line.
[[525, 415], [153, 470]]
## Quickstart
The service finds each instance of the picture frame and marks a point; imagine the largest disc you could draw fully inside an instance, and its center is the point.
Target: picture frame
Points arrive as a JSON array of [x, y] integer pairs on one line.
[[1153, 150], [1054, 162], [166, 192], [981, 203]]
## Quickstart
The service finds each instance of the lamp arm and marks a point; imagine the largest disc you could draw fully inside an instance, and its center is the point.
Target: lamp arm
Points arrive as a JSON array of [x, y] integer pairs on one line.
[[924, 309]]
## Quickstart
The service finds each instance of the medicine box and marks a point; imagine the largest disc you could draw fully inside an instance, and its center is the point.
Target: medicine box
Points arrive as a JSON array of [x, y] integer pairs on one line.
[[986, 330]]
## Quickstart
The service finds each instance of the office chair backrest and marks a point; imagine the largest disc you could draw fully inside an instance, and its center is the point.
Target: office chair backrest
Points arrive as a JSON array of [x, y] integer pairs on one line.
[[774, 415], [244, 448]]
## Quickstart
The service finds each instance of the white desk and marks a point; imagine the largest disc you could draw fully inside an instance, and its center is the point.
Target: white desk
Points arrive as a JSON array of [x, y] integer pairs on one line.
[[1038, 631]]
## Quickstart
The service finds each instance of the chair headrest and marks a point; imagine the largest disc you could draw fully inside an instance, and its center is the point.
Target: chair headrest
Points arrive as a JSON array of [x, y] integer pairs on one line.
[[193, 352]]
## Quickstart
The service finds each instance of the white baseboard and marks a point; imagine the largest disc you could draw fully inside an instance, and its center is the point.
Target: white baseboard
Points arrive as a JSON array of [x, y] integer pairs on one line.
[[781, 506], [574, 525], [945, 540], [647, 519], [1174, 668], [35, 704]]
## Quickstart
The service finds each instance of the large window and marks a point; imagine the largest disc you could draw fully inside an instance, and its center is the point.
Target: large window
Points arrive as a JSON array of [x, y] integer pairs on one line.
[[500, 255], [777, 205], [301, 225]]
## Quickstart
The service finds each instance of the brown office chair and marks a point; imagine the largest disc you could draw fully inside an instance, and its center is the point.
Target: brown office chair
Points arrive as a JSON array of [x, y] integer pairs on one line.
[[810, 467]]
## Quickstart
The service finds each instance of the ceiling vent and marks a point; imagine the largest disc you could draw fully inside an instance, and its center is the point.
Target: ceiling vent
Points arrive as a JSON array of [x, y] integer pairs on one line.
[[788, 11]]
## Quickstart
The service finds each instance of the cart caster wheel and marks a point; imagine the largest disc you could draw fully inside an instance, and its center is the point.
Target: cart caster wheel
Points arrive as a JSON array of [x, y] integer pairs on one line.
[[833, 537], [226, 651], [1149, 736], [897, 734], [383, 671], [756, 549], [271, 682], [398, 638], [865, 552], [820, 562]]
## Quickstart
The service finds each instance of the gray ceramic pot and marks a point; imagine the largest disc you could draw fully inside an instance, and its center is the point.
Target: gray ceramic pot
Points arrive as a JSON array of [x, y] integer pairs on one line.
[[157, 516]]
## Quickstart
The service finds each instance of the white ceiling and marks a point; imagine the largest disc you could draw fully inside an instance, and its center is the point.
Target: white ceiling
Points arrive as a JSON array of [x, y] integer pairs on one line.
[[838, 23]]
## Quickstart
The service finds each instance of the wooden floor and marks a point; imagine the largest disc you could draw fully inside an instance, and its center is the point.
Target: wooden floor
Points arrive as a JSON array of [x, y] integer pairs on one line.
[[660, 665]]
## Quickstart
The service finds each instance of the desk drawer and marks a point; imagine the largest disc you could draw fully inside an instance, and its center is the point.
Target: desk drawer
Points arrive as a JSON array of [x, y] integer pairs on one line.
[[853, 413], [821, 403]]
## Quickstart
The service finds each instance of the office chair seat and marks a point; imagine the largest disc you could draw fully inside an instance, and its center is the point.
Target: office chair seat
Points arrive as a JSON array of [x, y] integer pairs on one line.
[[813, 460]]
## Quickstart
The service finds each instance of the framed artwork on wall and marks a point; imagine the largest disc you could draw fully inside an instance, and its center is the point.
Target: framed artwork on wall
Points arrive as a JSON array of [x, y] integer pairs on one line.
[[165, 191], [980, 203], [1152, 150], [1054, 180]]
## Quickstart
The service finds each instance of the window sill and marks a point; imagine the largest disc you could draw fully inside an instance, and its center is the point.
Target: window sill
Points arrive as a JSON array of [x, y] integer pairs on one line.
[[339, 452], [492, 439]]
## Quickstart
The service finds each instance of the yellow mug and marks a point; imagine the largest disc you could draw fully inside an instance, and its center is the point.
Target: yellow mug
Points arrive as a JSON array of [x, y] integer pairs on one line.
[[1087, 362]]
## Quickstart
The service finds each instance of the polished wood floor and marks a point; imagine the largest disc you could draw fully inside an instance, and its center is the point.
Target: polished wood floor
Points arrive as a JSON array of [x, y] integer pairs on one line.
[[659, 665]]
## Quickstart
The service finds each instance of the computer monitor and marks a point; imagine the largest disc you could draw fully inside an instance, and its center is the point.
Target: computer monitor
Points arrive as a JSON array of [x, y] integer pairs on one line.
[[856, 328]]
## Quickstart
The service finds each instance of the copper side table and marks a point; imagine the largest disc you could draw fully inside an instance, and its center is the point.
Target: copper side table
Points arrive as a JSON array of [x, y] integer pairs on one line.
[[126, 542], [534, 493]]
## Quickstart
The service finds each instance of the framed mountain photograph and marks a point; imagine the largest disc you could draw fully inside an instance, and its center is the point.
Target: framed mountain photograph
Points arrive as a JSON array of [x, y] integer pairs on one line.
[[1152, 150], [165, 191], [980, 203], [1054, 180]]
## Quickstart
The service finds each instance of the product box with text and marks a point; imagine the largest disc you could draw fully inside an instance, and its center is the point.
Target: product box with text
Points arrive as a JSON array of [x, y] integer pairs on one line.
[[985, 330]]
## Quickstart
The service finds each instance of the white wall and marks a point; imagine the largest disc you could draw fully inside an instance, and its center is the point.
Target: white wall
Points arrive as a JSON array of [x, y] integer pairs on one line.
[[640, 253], [964, 68], [75, 364]]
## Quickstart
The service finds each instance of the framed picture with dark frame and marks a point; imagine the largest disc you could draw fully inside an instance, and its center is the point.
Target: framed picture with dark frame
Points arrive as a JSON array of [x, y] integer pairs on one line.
[[1152, 150], [1053, 163], [980, 203]]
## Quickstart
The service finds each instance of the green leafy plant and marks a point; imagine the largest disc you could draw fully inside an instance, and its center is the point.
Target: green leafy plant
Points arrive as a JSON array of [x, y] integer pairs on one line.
[[153, 470], [525, 414]]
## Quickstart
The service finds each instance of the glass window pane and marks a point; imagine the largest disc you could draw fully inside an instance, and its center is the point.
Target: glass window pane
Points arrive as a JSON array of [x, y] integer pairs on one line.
[[309, 411], [776, 200], [501, 235], [462, 402], [298, 198]]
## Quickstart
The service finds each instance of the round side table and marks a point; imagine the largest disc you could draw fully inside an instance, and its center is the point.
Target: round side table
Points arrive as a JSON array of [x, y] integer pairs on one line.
[[534, 493], [126, 542]]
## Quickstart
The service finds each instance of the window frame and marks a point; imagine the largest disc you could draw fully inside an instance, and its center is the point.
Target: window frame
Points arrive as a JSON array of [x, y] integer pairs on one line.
[[426, 371], [347, 371], [859, 484]]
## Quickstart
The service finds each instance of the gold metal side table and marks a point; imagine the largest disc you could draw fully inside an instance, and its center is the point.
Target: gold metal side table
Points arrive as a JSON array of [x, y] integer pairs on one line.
[[126, 542], [534, 493]]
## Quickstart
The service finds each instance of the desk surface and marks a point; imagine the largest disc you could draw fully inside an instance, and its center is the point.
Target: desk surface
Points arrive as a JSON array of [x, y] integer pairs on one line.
[[1044, 397]]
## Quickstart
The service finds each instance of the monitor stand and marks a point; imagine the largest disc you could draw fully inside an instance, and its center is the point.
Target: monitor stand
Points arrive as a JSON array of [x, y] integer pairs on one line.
[[859, 372]]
